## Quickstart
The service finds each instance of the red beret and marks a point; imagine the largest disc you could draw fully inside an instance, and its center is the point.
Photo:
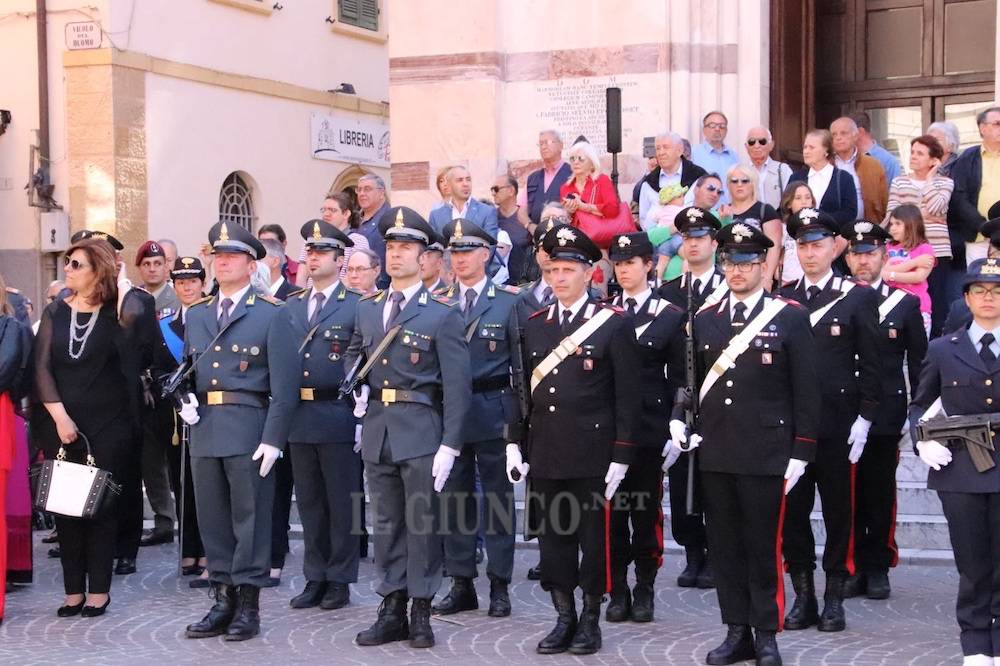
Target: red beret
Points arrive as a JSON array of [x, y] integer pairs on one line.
[[149, 249]]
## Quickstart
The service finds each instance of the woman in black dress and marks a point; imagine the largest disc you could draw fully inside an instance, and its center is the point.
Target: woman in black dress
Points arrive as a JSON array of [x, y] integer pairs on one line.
[[86, 377]]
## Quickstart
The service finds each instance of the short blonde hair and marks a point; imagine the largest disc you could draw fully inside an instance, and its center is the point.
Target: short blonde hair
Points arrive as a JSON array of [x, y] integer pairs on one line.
[[750, 172], [441, 176], [587, 150]]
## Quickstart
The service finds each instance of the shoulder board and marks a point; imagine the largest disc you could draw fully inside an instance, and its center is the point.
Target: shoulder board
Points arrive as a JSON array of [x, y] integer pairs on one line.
[[352, 291], [206, 299], [510, 289], [442, 301], [298, 292], [12, 290], [789, 301], [372, 295], [540, 312], [790, 283], [268, 298], [441, 292]]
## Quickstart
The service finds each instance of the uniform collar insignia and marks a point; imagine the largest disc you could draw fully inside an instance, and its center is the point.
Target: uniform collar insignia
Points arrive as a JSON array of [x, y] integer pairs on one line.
[[251, 299], [423, 298], [491, 292]]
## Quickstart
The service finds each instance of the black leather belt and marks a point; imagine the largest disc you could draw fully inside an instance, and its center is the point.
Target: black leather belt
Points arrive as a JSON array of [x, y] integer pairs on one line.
[[388, 395], [317, 395], [247, 398], [494, 383]]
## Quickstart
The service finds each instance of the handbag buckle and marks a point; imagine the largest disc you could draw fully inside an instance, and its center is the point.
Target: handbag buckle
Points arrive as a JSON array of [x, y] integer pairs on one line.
[[214, 397], [62, 453], [90, 461]]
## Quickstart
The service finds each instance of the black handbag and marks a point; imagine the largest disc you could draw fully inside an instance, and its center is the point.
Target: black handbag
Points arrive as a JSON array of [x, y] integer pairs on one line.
[[72, 489]]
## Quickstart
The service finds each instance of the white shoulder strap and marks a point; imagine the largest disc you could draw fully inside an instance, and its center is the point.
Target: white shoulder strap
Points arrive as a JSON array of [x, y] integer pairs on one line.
[[654, 309], [740, 344], [845, 288], [568, 346], [716, 296], [888, 304]]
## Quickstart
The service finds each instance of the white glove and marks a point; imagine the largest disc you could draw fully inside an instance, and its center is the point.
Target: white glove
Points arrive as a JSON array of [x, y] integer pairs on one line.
[[357, 438], [515, 461], [189, 409], [858, 438], [614, 477], [933, 454], [444, 460], [679, 436], [796, 468], [670, 455], [361, 400], [267, 455]]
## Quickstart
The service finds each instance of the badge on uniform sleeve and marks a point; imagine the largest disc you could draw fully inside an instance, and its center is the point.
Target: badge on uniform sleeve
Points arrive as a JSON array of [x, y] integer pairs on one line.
[[835, 329], [765, 358], [893, 334], [588, 364]]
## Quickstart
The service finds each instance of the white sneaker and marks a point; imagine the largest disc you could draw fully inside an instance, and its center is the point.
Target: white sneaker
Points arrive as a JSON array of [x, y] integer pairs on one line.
[[978, 660]]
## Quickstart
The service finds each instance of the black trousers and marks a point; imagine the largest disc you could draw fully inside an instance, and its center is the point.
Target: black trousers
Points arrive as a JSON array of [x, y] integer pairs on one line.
[[574, 518], [282, 509], [875, 511], [157, 434], [192, 546], [834, 475], [974, 527], [462, 517], [639, 502], [744, 516], [330, 509], [129, 477], [687, 529]]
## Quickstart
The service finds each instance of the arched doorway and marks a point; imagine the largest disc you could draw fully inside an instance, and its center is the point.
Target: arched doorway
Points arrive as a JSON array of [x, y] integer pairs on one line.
[[348, 179]]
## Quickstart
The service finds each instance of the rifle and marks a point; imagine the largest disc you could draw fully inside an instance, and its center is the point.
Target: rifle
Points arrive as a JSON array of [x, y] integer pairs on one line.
[[690, 379], [517, 431], [972, 430], [177, 384]]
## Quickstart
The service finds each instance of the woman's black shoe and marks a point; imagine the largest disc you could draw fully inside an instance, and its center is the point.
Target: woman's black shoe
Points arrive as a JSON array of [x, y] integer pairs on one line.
[[95, 611], [200, 583], [69, 611], [125, 566], [51, 538], [55, 553], [192, 570]]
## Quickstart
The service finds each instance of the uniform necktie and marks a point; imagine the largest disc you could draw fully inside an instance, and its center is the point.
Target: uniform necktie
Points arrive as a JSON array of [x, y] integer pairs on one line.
[[224, 315], [470, 300], [397, 298], [630, 302], [546, 295], [985, 353], [812, 292], [566, 316], [696, 288], [739, 317], [318, 299]]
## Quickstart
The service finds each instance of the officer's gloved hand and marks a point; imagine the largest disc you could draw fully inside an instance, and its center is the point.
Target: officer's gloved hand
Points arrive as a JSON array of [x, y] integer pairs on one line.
[[679, 436], [858, 438], [796, 468], [444, 460], [267, 455], [516, 462], [933, 453], [670, 455], [189, 409], [357, 438], [614, 477], [361, 400]]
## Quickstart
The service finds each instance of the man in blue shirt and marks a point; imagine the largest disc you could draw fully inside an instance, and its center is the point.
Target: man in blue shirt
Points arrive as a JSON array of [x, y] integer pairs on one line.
[[372, 199], [867, 144], [712, 154]]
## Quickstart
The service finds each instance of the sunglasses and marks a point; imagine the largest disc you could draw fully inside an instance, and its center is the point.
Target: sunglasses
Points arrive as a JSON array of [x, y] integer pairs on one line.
[[754, 142], [713, 188], [739, 181], [555, 218], [74, 264], [577, 158], [496, 189]]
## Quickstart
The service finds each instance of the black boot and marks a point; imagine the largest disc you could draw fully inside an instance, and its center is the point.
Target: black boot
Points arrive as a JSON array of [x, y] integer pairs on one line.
[[737, 647], [878, 586], [391, 624], [642, 597], [561, 635], [499, 598], [461, 597], [695, 560], [767, 649], [219, 616], [620, 606], [421, 634], [805, 610], [310, 596], [832, 618], [337, 596], [587, 639], [246, 623], [706, 577], [535, 572], [855, 586]]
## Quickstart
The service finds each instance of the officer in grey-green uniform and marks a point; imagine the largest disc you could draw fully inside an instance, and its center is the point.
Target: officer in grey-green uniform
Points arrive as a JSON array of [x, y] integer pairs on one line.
[[420, 384], [245, 393]]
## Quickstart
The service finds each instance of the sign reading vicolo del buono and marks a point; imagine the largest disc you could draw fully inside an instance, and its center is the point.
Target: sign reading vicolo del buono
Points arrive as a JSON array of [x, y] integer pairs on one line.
[[83, 35], [346, 139]]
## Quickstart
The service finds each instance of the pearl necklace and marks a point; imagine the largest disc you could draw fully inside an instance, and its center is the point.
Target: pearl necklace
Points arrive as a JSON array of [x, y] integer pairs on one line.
[[79, 332]]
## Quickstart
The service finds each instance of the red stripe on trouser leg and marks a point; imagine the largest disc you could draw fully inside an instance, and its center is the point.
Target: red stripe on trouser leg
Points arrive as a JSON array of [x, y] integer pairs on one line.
[[659, 525], [849, 563], [891, 542], [779, 590], [607, 547]]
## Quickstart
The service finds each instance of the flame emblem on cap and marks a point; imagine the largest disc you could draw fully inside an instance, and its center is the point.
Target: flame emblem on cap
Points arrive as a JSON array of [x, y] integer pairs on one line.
[[224, 232], [457, 234], [317, 234], [741, 232], [624, 241], [565, 235], [399, 219]]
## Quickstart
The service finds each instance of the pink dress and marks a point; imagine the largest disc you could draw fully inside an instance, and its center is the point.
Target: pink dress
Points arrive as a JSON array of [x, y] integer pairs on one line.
[[898, 254]]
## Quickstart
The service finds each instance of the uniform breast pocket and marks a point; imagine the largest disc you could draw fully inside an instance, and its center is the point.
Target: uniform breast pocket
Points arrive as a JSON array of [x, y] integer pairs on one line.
[[336, 342], [590, 357], [416, 344], [775, 426], [832, 329], [492, 336], [953, 381], [766, 349]]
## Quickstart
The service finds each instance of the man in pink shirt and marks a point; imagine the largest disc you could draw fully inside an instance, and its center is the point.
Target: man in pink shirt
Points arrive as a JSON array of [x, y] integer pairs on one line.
[[543, 185]]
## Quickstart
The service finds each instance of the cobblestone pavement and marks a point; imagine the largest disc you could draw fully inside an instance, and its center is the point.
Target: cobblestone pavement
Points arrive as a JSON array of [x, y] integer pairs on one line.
[[149, 610]]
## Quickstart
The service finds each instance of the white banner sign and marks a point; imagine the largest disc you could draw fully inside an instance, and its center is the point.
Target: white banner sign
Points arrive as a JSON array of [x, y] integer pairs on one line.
[[347, 139]]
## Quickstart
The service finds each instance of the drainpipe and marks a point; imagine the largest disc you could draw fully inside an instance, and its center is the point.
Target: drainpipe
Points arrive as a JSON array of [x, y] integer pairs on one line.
[[41, 20]]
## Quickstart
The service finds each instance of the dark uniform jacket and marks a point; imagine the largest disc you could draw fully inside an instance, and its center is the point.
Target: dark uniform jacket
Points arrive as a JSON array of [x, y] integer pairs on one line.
[[959, 316], [429, 356], [320, 365], [490, 330], [847, 349], [253, 355], [675, 290], [954, 372], [658, 333], [902, 340], [584, 414], [766, 408]]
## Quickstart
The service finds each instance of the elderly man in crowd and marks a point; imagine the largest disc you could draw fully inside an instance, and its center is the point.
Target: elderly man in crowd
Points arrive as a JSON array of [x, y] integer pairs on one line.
[[362, 269], [672, 167], [869, 146], [373, 202], [543, 185], [869, 176], [712, 154], [946, 132], [772, 175], [977, 187], [275, 259], [169, 252], [289, 267]]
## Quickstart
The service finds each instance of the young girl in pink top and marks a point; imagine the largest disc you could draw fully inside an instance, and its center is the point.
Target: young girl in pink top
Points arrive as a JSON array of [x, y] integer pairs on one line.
[[911, 257]]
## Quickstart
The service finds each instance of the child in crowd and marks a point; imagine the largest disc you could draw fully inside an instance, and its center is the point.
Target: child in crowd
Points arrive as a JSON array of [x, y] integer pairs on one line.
[[664, 236], [911, 257]]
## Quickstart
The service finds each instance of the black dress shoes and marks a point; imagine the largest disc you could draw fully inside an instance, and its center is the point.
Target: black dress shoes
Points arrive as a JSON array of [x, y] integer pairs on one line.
[[310, 596], [156, 537], [95, 611], [337, 596], [125, 566], [69, 611]]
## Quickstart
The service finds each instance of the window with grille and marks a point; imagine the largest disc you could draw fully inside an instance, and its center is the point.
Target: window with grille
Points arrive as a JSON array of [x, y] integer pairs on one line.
[[236, 202], [360, 13]]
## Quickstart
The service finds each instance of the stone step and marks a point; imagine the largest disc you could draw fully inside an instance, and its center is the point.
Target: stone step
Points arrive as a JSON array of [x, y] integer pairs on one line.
[[911, 468]]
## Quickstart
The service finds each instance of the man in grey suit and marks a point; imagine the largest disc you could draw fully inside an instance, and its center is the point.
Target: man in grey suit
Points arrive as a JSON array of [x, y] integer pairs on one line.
[[244, 397], [325, 466], [489, 311], [420, 388], [464, 206]]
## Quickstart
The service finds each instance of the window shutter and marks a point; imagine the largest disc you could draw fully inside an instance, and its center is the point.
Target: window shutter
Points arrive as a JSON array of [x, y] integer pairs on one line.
[[369, 15], [349, 11]]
